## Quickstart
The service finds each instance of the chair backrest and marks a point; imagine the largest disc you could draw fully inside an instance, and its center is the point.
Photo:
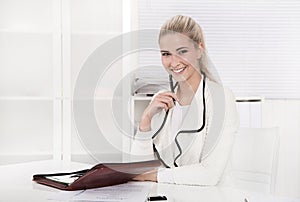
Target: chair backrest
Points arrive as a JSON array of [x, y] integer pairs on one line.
[[253, 162]]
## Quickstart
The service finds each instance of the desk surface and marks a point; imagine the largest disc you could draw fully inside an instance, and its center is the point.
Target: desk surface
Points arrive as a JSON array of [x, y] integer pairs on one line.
[[17, 185]]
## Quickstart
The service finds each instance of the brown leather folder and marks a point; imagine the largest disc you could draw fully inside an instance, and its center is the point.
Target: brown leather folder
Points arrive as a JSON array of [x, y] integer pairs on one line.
[[101, 175]]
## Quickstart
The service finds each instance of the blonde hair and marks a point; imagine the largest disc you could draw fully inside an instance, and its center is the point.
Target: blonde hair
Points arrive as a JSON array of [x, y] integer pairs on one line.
[[187, 26]]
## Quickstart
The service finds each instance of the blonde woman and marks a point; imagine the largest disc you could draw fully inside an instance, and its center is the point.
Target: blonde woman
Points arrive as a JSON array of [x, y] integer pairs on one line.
[[191, 128]]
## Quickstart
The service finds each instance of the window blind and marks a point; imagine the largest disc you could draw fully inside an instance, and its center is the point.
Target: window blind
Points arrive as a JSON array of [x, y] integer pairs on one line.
[[254, 45]]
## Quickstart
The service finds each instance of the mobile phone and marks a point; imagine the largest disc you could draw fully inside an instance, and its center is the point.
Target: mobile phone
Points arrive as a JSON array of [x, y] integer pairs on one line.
[[157, 198]]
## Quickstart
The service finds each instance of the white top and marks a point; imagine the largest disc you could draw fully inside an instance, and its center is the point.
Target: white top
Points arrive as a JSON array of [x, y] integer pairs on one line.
[[221, 124], [179, 113]]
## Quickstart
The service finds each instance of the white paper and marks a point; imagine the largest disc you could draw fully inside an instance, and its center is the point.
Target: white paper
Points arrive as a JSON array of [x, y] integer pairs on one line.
[[63, 195], [129, 192], [67, 179]]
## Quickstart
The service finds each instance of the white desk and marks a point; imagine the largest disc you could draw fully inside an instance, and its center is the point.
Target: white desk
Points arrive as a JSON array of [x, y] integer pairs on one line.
[[17, 185]]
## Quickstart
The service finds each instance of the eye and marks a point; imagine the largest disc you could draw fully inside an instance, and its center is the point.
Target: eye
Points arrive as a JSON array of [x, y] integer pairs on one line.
[[165, 54], [181, 52]]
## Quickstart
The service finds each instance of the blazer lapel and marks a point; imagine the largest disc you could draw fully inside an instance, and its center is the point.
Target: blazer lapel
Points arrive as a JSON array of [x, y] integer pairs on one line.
[[191, 122], [163, 143]]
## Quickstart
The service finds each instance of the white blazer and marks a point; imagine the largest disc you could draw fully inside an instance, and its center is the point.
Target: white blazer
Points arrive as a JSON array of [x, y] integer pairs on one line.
[[204, 154]]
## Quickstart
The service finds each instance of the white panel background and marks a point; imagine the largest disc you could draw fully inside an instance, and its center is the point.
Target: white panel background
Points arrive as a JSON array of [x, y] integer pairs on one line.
[[253, 44]]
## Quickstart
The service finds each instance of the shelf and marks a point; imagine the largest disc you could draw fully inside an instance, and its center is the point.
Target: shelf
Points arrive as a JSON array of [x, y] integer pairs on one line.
[[6, 159], [5, 98], [142, 97], [249, 99], [54, 98], [108, 33], [238, 99], [26, 31]]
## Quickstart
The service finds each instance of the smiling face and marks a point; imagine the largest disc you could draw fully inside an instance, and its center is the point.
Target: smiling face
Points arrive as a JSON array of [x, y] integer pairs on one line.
[[180, 57]]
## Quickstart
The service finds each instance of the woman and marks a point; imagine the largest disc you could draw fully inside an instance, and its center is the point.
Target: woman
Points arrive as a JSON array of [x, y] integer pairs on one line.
[[199, 119]]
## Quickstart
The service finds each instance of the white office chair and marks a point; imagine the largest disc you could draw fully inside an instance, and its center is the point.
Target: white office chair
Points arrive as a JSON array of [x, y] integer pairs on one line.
[[253, 162]]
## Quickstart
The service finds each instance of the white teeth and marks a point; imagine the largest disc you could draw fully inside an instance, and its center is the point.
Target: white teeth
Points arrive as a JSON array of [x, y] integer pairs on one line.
[[179, 70]]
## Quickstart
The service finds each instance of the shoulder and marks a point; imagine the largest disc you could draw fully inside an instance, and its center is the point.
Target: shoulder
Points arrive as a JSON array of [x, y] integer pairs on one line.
[[220, 91]]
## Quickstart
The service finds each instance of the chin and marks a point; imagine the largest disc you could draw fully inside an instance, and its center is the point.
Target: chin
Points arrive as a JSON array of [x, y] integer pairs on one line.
[[179, 78]]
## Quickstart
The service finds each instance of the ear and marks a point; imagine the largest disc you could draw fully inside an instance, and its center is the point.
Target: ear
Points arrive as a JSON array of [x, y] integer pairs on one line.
[[200, 50]]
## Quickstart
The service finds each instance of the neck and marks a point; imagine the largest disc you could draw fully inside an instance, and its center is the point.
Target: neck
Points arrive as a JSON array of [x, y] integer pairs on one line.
[[188, 88]]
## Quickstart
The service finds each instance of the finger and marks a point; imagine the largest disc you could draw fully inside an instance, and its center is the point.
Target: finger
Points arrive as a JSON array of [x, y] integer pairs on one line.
[[166, 100], [170, 94], [163, 106], [155, 107], [137, 178]]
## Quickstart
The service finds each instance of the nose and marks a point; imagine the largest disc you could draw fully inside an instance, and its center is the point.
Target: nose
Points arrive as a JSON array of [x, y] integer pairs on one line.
[[174, 60]]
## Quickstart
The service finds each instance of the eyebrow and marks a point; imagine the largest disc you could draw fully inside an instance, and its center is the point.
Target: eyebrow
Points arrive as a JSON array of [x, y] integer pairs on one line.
[[181, 48], [165, 51]]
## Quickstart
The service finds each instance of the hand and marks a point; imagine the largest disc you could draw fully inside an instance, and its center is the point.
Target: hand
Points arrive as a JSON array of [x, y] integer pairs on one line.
[[161, 101], [149, 176]]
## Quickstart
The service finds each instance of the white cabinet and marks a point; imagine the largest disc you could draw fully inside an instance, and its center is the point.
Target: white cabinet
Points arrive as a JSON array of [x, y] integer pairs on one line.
[[138, 105], [27, 63], [43, 45]]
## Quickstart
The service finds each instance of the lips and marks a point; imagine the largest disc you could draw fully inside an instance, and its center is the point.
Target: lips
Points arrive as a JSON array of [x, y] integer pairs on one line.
[[179, 70]]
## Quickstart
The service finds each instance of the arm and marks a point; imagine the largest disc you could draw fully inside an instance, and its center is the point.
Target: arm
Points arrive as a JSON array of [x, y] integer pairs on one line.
[[142, 145], [149, 176]]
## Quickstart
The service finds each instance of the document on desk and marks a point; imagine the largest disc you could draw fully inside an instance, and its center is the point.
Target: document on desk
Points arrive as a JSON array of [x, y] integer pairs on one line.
[[128, 192]]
